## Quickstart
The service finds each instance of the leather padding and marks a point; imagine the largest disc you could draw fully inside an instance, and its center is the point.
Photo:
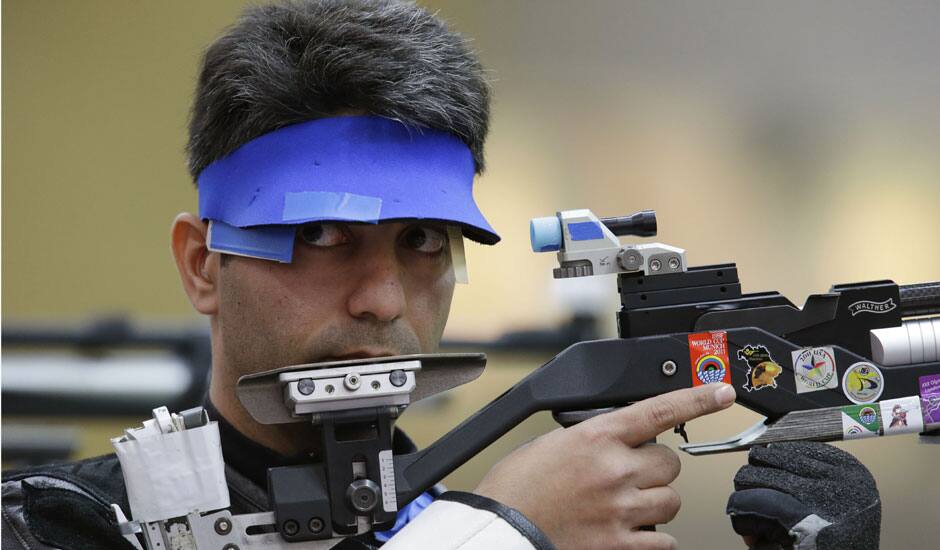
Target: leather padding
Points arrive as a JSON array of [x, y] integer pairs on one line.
[[68, 519]]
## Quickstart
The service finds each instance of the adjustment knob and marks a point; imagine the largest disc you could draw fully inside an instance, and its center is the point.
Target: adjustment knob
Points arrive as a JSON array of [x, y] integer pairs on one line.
[[363, 495]]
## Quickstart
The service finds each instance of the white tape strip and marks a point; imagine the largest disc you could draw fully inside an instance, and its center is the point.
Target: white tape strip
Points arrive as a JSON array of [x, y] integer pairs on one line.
[[457, 257], [172, 474]]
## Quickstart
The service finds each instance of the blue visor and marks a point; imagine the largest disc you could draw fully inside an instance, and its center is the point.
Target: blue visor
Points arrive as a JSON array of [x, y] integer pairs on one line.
[[350, 168]]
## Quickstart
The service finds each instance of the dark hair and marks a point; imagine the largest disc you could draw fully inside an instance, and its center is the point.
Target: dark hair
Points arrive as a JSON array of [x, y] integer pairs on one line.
[[295, 61]]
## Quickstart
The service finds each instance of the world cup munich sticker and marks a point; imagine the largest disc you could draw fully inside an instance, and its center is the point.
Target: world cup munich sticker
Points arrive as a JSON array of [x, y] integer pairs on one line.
[[814, 369], [860, 421], [901, 416], [708, 352], [862, 383]]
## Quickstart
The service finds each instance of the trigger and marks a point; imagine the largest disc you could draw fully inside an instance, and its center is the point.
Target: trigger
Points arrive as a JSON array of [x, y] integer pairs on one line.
[[680, 429]]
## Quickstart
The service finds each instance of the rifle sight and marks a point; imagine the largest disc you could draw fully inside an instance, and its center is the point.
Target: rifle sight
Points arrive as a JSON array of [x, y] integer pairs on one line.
[[588, 245]]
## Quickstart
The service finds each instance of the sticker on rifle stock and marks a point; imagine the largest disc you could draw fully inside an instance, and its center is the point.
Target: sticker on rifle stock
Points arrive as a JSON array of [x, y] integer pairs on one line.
[[814, 369], [930, 398], [863, 383], [860, 421], [708, 352], [762, 370], [901, 416]]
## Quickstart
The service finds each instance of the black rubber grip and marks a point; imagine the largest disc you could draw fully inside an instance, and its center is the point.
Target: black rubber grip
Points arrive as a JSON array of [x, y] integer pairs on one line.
[[920, 299]]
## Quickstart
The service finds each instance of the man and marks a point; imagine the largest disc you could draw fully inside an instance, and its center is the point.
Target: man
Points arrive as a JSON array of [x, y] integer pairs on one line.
[[334, 145]]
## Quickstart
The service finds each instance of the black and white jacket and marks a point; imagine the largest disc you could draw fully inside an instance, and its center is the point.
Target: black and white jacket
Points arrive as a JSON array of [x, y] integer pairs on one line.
[[67, 506]]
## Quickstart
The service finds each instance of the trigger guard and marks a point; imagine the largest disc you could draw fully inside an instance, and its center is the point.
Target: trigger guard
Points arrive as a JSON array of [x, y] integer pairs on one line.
[[569, 418]]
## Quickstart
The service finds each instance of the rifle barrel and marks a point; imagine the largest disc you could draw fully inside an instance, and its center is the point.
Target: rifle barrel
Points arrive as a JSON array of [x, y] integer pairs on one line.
[[639, 224], [920, 299]]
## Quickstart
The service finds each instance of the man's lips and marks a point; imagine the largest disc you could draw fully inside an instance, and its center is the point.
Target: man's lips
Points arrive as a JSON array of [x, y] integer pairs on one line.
[[358, 354]]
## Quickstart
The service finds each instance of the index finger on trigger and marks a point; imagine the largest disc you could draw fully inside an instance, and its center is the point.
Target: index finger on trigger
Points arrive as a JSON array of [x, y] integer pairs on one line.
[[646, 419]]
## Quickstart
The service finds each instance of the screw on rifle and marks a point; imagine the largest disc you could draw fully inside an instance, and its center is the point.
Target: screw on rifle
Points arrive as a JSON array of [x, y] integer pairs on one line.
[[376, 384], [398, 378], [230, 547], [329, 388], [655, 265], [223, 526], [673, 263], [315, 525], [291, 528], [363, 495], [670, 368], [306, 386], [631, 260], [352, 381]]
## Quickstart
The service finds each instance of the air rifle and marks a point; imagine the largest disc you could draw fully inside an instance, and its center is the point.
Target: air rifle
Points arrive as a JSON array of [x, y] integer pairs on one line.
[[862, 360]]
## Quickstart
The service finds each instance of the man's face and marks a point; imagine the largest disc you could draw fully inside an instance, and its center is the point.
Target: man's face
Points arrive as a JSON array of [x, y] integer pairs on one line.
[[351, 291]]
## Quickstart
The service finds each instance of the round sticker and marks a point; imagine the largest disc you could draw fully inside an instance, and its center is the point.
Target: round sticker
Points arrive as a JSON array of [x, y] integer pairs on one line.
[[814, 369], [867, 415], [862, 383], [710, 369]]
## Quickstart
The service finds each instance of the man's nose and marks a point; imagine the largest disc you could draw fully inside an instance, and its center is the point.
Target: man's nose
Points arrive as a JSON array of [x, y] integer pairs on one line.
[[379, 293]]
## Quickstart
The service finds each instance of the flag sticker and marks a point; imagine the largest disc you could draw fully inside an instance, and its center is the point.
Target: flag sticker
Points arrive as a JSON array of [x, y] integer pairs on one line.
[[930, 398], [860, 421]]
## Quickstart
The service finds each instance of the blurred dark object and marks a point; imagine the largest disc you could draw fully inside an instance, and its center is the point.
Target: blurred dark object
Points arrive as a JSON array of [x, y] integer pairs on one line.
[[29, 445], [111, 367], [108, 367], [577, 329]]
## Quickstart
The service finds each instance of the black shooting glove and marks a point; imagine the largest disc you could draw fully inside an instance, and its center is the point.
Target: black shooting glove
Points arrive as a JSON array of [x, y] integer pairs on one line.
[[806, 496]]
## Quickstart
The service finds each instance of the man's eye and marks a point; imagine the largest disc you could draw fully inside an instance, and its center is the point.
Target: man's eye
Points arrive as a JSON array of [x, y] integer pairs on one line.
[[425, 239], [322, 234]]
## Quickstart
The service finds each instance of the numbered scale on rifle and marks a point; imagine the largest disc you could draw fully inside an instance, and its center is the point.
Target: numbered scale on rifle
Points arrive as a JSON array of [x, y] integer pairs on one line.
[[862, 360]]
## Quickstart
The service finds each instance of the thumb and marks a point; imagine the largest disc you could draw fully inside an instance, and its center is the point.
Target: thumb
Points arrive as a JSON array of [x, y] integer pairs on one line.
[[765, 515]]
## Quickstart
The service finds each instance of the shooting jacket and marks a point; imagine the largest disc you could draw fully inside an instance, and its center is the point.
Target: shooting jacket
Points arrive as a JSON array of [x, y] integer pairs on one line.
[[67, 506]]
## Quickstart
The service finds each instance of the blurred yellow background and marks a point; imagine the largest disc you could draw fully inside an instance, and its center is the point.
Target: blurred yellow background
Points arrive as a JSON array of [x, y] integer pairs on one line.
[[798, 139]]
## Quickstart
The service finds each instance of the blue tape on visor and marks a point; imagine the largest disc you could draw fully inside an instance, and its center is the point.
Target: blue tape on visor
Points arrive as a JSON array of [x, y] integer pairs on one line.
[[348, 168], [268, 242]]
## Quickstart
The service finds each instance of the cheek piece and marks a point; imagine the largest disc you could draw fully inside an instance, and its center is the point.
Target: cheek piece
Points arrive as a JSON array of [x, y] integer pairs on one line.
[[365, 169]]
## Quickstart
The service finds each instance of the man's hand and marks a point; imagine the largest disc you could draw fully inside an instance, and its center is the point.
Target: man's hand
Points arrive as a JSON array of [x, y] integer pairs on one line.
[[806, 494], [595, 484]]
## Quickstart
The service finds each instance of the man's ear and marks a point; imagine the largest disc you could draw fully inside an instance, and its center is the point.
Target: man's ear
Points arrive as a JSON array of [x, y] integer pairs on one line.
[[198, 267]]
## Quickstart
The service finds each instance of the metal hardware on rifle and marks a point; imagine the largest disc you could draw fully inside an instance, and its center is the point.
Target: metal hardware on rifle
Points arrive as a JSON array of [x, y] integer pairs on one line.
[[670, 368], [589, 246], [354, 489], [680, 430]]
